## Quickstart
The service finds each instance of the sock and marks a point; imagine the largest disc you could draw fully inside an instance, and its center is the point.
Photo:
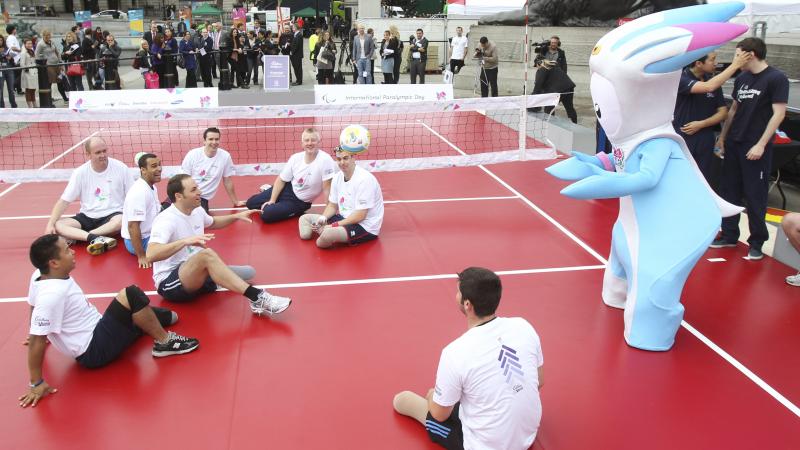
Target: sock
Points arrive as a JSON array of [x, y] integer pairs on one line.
[[166, 339], [90, 237], [252, 293]]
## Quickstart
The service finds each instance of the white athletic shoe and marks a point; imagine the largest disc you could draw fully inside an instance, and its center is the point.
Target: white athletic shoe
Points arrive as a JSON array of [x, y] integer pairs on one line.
[[270, 304], [794, 280], [264, 187], [100, 245]]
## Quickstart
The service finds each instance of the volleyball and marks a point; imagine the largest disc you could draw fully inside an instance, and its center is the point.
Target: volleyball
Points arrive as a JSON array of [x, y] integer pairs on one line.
[[354, 139], [136, 158]]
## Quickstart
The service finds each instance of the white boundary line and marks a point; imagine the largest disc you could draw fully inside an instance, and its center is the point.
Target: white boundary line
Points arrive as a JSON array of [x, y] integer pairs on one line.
[[359, 281], [64, 153], [708, 342], [431, 200]]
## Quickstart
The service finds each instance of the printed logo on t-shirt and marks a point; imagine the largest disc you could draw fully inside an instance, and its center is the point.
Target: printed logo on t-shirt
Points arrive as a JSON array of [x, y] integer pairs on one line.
[[301, 183], [342, 206], [99, 196], [745, 93], [510, 365], [41, 321], [619, 159], [204, 176]]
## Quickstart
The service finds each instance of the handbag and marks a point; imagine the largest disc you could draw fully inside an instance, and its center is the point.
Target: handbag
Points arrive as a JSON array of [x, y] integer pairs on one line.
[[136, 64], [338, 78], [75, 70]]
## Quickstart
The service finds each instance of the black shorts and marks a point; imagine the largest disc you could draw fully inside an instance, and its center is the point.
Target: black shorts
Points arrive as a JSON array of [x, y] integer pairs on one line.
[[89, 224], [448, 434], [356, 234], [172, 290], [110, 338]]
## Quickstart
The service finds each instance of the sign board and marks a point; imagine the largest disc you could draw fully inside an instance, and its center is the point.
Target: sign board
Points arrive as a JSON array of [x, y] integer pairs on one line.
[[276, 73], [327, 94], [136, 20], [164, 99], [84, 18]]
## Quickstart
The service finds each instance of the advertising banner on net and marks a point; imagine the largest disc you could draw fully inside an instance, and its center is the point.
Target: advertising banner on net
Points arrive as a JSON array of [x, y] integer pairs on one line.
[[327, 94]]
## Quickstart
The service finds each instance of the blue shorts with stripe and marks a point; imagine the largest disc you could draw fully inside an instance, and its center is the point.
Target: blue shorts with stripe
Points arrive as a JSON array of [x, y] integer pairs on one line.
[[448, 434]]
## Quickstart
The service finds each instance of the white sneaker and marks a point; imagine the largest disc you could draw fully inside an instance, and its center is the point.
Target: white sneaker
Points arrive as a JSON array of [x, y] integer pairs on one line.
[[100, 245], [264, 187], [270, 304], [794, 280]]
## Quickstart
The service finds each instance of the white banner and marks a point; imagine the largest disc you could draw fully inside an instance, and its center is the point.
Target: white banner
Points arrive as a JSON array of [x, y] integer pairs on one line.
[[170, 99], [328, 94]]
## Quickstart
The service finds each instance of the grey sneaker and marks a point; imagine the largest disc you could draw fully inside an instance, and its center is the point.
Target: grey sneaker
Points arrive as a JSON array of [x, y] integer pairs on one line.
[[755, 254], [794, 280], [269, 304], [722, 243], [175, 345], [100, 245]]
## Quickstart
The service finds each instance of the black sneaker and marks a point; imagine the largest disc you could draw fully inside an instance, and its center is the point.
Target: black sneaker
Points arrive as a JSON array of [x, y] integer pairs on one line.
[[175, 345], [722, 243], [755, 254]]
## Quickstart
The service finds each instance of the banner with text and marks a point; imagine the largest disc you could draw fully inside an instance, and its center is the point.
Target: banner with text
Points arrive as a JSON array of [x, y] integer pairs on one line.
[[276, 73], [164, 99], [326, 94]]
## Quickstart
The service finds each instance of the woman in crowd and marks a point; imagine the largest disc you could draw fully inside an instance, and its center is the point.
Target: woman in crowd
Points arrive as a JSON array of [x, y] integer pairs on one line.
[[88, 52], [187, 50], [171, 50], [253, 57], [30, 79], [45, 49], [7, 77], [73, 54], [397, 54], [157, 59], [237, 59], [325, 52], [207, 45], [143, 57], [389, 47]]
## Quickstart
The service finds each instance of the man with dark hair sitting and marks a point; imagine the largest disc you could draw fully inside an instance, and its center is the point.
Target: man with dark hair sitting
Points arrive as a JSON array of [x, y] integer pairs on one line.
[[488, 381], [183, 267], [141, 207], [61, 314]]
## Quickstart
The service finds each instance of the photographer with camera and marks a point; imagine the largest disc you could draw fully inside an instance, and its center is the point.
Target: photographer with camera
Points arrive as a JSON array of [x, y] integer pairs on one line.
[[486, 55], [551, 76]]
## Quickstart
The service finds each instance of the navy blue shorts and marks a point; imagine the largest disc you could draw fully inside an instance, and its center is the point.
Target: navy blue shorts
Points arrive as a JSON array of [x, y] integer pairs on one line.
[[448, 434], [110, 338], [90, 223], [172, 290], [356, 234]]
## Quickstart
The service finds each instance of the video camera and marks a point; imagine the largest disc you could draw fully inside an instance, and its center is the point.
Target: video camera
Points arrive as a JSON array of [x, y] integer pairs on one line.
[[540, 48]]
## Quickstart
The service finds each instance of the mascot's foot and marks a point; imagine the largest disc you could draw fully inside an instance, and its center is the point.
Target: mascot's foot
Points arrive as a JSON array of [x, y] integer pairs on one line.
[[648, 347]]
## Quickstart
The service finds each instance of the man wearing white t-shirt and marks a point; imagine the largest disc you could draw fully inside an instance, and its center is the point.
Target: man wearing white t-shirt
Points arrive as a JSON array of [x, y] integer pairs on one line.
[[183, 267], [488, 381], [354, 213], [458, 48], [141, 208], [61, 314], [101, 185], [209, 165], [302, 179]]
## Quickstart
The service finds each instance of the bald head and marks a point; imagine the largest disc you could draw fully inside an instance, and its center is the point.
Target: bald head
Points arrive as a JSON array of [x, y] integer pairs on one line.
[[97, 152], [93, 142]]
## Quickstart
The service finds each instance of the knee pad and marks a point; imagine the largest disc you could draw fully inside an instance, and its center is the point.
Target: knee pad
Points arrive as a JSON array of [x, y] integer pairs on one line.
[[137, 299]]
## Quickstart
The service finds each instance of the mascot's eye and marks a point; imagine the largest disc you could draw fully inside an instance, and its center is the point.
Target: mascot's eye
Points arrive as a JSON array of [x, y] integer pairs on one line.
[[597, 111]]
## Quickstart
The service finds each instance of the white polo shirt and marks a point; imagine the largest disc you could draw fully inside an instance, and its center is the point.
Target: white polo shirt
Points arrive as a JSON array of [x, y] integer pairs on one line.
[[362, 191], [173, 225], [141, 205], [208, 172], [62, 313], [307, 179], [100, 193], [492, 369]]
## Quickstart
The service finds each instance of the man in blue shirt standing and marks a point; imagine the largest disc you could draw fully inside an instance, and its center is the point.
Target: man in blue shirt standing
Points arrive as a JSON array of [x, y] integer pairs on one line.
[[700, 106], [760, 94]]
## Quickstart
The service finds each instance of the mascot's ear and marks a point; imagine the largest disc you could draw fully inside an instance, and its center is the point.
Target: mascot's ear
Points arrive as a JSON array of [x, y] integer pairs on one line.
[[706, 37]]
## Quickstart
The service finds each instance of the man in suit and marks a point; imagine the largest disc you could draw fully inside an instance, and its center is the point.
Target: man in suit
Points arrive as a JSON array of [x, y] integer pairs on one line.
[[363, 47], [215, 32], [149, 35], [296, 56]]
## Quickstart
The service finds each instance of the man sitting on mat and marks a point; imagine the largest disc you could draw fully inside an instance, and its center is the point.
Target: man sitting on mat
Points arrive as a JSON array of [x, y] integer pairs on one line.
[[354, 212], [184, 267], [62, 314], [209, 165], [307, 174], [488, 381], [141, 208], [100, 184]]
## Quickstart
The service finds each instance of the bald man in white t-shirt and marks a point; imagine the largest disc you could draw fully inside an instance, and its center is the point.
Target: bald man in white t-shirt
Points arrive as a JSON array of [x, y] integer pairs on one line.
[[488, 381], [100, 184]]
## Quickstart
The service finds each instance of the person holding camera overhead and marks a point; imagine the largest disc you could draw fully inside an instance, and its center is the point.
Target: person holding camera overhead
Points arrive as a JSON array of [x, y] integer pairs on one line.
[[486, 54], [418, 54]]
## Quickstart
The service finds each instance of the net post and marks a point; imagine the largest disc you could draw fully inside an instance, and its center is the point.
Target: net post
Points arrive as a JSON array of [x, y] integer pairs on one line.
[[523, 126]]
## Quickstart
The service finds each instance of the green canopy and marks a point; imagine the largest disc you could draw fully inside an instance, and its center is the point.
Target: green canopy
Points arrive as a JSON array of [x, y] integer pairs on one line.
[[206, 10], [308, 12]]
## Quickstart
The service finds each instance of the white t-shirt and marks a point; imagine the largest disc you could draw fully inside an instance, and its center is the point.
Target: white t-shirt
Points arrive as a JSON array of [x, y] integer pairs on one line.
[[141, 205], [173, 225], [459, 46], [492, 370], [62, 313], [361, 192], [208, 172], [100, 193], [307, 179], [13, 42]]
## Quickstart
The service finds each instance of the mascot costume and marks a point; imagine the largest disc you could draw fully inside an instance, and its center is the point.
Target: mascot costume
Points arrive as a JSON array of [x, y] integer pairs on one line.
[[668, 215]]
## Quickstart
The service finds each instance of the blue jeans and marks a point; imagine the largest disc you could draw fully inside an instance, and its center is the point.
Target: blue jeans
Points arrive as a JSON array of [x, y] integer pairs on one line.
[[288, 205], [363, 65], [7, 78]]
